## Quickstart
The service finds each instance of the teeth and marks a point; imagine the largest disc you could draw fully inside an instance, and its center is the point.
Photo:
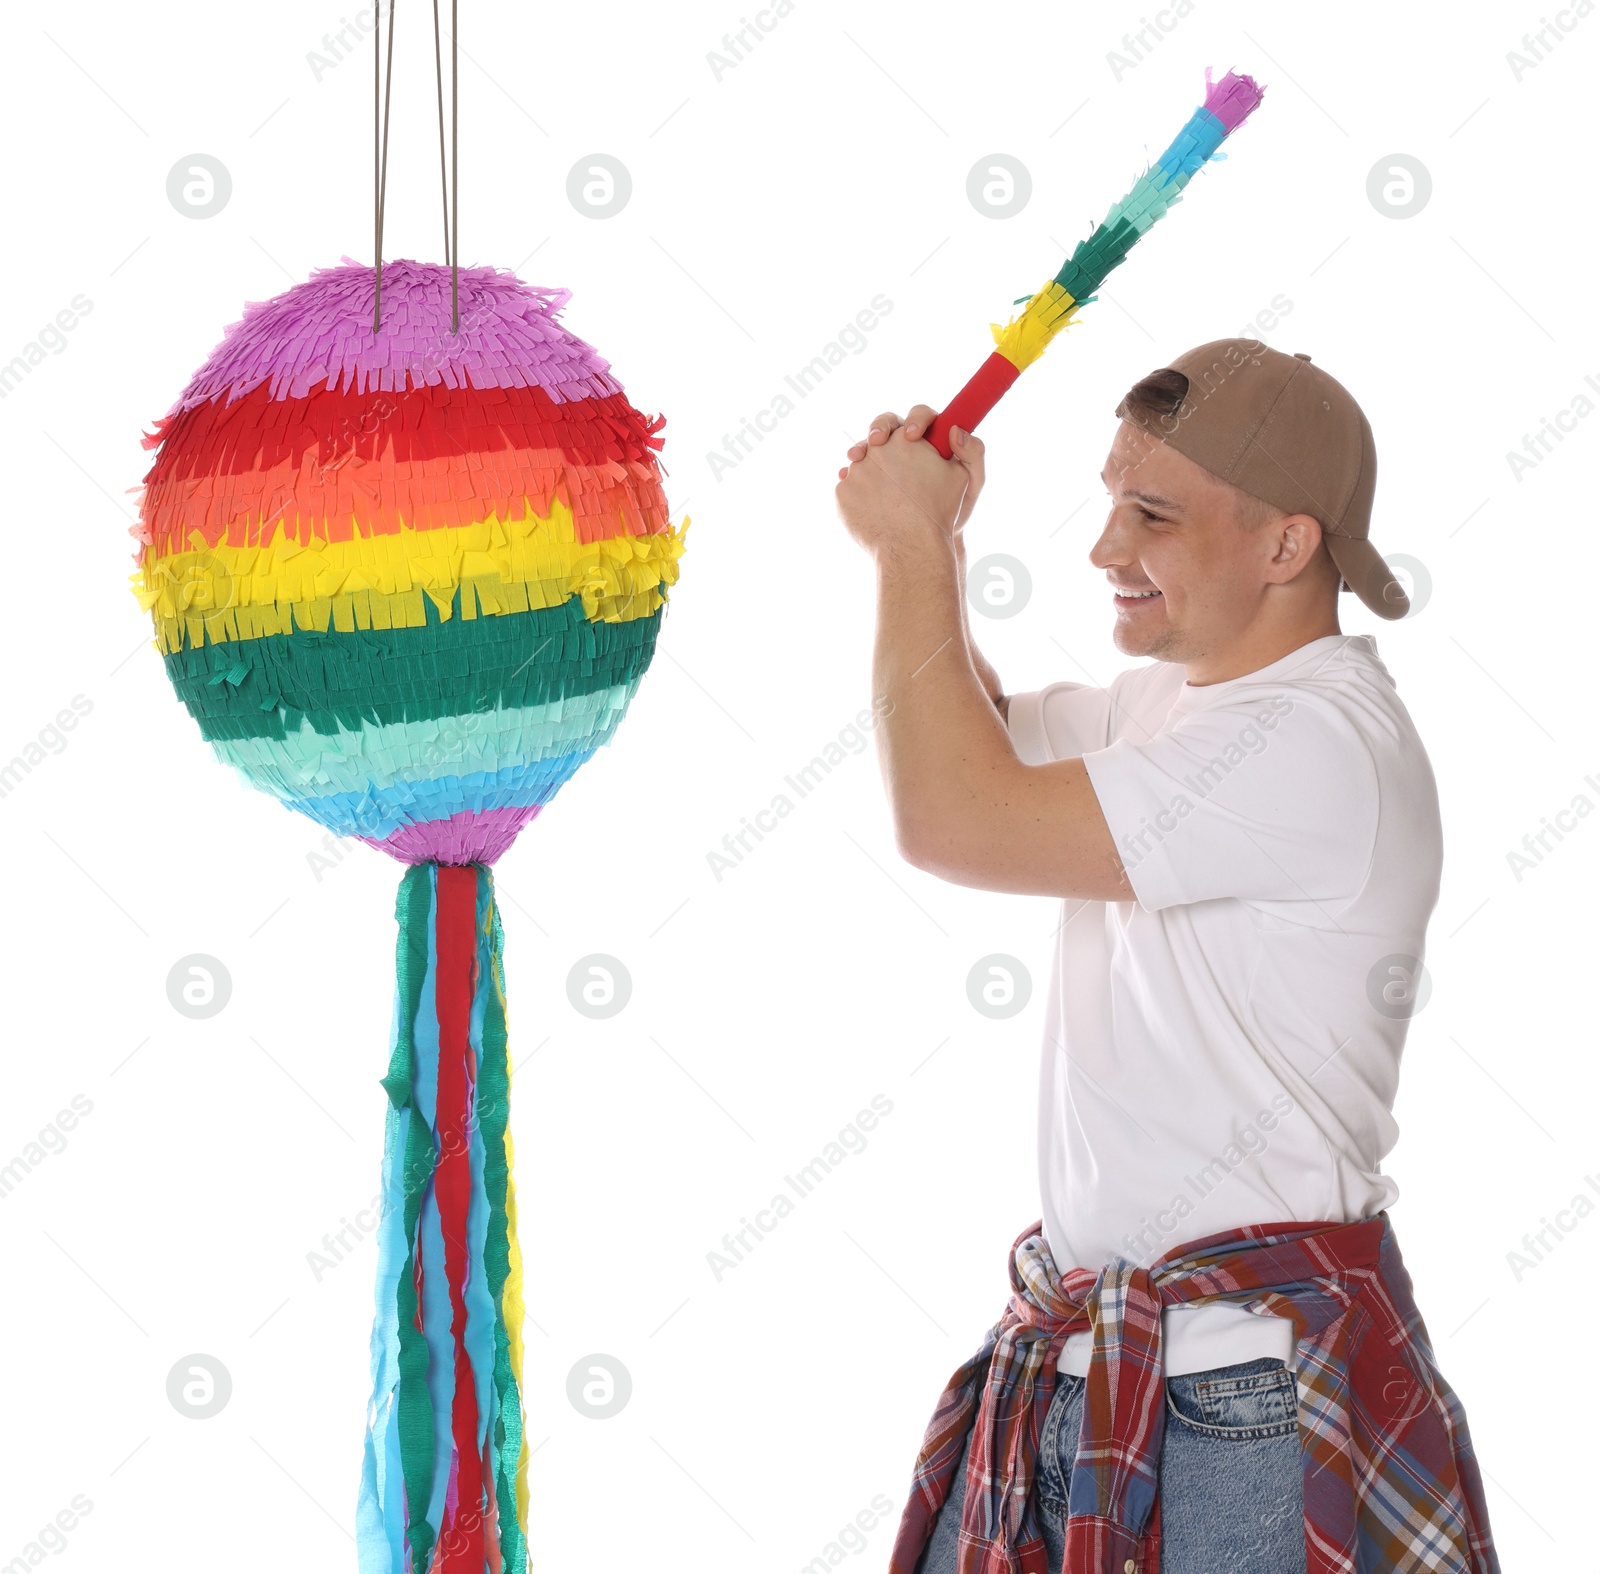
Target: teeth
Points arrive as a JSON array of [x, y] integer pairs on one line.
[[1138, 595]]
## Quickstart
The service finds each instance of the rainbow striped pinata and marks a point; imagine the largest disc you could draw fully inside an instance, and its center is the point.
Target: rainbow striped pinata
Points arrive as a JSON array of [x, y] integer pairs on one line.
[[407, 581]]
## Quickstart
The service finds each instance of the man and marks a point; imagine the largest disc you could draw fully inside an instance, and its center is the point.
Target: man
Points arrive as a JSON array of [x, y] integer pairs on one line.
[[1191, 1375]]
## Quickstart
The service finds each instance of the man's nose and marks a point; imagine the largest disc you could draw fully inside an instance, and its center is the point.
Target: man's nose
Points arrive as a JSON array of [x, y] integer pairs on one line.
[[1112, 546]]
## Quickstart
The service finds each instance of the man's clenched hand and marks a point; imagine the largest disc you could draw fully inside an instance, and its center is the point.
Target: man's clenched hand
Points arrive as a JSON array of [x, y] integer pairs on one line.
[[898, 491]]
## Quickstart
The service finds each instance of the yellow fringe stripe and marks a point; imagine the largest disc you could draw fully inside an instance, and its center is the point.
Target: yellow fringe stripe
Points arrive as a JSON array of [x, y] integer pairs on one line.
[[379, 582], [1023, 340]]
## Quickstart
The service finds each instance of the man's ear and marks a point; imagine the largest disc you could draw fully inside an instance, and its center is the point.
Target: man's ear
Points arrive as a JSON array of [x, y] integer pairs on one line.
[[1299, 537]]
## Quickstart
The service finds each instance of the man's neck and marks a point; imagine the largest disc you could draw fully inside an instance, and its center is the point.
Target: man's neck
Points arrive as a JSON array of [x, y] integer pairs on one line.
[[1255, 652]]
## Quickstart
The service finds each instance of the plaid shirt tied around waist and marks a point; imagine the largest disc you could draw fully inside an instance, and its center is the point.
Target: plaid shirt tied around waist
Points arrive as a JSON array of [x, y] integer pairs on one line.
[[1391, 1481]]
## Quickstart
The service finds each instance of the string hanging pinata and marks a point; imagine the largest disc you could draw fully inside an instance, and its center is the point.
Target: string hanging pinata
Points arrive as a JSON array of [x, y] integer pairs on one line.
[[407, 582], [1228, 103]]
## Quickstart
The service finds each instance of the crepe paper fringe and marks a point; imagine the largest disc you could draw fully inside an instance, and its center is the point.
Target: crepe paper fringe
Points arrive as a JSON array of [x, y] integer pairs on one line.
[[376, 810], [230, 593], [1159, 189], [319, 334], [377, 815], [444, 1475], [443, 670], [1232, 100], [1227, 105], [333, 466], [467, 837], [377, 757], [1022, 340], [326, 430]]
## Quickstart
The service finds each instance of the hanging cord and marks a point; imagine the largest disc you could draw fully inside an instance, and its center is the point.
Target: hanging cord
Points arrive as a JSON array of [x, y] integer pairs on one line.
[[382, 94], [380, 151], [438, 87], [448, 190], [377, 201], [455, 179]]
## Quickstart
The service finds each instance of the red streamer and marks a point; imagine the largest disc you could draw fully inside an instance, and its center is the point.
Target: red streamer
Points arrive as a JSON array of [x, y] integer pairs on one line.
[[455, 946]]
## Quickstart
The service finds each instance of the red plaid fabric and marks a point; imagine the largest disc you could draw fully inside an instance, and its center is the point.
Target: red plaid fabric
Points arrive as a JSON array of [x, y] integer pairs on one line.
[[1391, 1481]]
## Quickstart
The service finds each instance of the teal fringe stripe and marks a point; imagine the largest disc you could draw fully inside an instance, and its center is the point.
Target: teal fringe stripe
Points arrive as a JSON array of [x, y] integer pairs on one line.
[[1153, 193]]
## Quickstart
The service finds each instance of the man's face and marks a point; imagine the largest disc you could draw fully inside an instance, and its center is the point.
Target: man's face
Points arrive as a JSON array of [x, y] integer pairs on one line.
[[1175, 529]]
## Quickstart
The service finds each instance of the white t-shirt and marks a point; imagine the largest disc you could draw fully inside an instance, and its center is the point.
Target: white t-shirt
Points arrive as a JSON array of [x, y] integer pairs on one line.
[[1224, 1049]]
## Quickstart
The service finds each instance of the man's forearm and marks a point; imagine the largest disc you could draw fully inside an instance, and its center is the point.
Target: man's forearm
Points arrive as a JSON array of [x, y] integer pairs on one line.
[[987, 676], [942, 743]]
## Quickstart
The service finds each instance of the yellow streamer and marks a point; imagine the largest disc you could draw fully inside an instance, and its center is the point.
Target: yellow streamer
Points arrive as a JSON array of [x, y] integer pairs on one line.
[[512, 1305]]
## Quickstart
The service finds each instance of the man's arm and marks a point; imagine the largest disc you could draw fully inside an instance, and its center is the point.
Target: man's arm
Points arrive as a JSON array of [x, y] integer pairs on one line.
[[965, 807], [987, 676]]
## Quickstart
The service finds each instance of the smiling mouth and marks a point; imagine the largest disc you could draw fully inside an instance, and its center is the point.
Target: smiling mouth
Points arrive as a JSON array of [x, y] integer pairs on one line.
[[1134, 598]]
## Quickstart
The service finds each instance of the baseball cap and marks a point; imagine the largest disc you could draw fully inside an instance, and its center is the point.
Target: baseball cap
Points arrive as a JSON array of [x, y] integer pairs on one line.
[[1285, 431]]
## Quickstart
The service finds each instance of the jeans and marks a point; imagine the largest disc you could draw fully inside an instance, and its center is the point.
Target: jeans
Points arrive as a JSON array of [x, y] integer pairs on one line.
[[1229, 1480]]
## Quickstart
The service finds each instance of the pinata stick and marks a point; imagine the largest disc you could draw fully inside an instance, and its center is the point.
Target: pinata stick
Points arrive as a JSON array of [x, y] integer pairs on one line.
[[1022, 341]]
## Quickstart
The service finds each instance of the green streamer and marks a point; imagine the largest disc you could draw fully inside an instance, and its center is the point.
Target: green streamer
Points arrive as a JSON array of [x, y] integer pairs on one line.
[[414, 909], [412, 903], [494, 1094]]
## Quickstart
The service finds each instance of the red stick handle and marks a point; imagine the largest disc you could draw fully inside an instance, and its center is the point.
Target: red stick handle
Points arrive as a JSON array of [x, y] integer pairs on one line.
[[975, 401]]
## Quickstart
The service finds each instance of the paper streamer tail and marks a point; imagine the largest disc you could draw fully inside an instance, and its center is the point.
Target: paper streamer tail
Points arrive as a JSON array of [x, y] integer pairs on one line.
[[444, 1480]]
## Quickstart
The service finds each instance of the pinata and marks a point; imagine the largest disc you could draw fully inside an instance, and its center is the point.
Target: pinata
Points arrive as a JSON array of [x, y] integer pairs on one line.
[[407, 581], [1020, 342]]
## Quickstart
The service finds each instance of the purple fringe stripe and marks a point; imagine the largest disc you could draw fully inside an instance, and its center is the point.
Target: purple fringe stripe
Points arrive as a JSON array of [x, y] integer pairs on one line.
[[1232, 98], [320, 334]]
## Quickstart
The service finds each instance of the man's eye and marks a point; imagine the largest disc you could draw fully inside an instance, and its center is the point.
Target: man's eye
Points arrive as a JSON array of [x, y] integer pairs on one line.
[[1146, 512]]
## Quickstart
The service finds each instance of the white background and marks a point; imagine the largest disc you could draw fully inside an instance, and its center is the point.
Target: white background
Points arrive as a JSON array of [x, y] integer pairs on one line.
[[769, 207]]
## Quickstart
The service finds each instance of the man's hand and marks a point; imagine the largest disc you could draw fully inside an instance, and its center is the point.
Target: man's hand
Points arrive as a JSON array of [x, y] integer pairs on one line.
[[898, 490]]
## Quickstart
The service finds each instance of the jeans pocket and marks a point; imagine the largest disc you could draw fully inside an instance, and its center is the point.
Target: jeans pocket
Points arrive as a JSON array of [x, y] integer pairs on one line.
[[1254, 1399]]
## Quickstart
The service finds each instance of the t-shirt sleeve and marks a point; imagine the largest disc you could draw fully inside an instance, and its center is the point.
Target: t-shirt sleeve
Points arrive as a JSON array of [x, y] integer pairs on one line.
[[1268, 798], [1060, 722]]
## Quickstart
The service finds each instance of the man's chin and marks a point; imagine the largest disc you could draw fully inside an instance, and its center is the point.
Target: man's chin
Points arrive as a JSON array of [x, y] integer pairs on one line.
[[1149, 639]]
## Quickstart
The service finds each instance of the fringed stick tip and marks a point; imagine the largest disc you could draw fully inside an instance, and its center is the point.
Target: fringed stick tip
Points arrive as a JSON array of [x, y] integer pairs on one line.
[[1233, 98]]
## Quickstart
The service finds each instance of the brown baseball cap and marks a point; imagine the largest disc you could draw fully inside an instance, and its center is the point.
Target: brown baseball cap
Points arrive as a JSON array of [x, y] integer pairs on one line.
[[1285, 431]]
